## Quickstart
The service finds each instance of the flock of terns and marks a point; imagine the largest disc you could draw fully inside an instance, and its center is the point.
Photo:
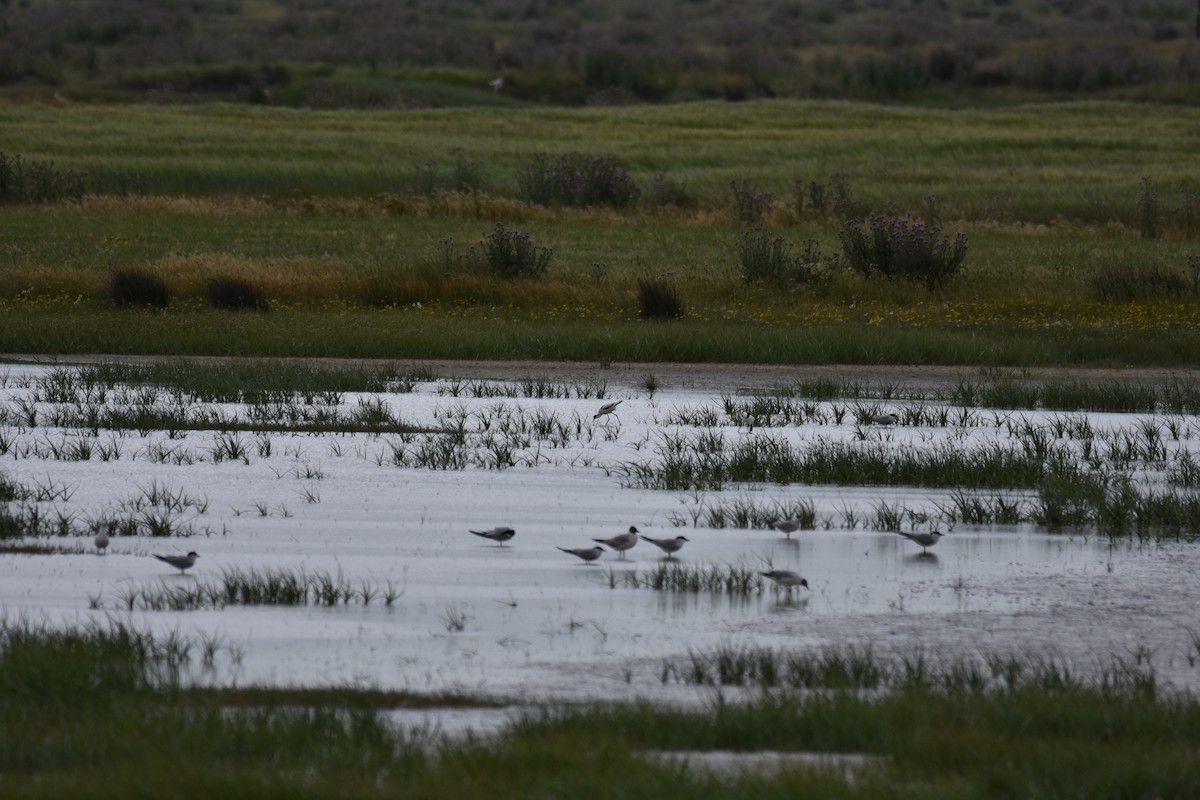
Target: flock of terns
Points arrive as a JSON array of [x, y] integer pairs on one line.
[[784, 578]]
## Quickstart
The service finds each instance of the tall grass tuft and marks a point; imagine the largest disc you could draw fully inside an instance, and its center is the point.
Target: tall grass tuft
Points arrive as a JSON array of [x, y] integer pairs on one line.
[[576, 179], [138, 287], [659, 300], [764, 257], [235, 294]]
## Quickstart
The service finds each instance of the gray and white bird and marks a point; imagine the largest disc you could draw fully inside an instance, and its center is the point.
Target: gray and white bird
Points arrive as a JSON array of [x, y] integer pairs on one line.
[[608, 408], [788, 526], [500, 534], [181, 563], [668, 546], [621, 542], [926, 540], [101, 541], [588, 554], [785, 578], [747, 419], [884, 419]]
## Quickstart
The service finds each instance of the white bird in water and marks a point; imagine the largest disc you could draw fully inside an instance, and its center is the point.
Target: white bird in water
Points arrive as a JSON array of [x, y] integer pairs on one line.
[[607, 408], [884, 419], [101, 541], [668, 546], [499, 534], [586, 553], [926, 540], [788, 526], [180, 563], [621, 542], [785, 578], [747, 419]]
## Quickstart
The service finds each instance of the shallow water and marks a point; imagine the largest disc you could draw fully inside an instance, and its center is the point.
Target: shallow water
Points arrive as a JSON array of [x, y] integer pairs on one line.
[[537, 623]]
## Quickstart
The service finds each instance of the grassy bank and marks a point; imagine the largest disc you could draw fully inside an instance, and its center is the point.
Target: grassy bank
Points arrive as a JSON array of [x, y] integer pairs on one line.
[[103, 712]]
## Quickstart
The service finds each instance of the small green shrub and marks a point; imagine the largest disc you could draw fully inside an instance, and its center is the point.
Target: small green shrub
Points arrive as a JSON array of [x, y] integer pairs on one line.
[[901, 247], [512, 254], [578, 180], [137, 287], [665, 192], [235, 294], [659, 300], [765, 257]]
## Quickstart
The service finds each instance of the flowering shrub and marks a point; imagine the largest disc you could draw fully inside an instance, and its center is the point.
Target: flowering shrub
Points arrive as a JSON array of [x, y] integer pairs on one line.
[[749, 204], [899, 246], [512, 254]]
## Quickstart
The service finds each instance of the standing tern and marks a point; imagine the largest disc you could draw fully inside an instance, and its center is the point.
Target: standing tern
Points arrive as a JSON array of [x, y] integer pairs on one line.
[[588, 554], [926, 540], [668, 546], [181, 563], [621, 542], [499, 534]]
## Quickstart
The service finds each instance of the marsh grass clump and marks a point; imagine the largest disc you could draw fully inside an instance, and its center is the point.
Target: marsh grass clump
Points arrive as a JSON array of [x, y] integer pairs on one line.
[[658, 299], [764, 257], [36, 182], [750, 204], [513, 254], [715, 579], [235, 294], [576, 179], [901, 247], [138, 287], [1130, 283]]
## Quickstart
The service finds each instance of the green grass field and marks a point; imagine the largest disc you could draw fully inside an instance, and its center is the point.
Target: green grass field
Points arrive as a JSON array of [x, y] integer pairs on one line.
[[347, 223]]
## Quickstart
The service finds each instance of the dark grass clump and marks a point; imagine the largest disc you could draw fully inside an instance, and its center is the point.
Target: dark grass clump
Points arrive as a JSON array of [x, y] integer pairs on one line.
[[659, 300], [236, 294], [765, 257], [137, 287]]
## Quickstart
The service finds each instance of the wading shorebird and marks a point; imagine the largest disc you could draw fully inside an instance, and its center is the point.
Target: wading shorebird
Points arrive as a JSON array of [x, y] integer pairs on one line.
[[788, 526], [747, 419], [101, 541], [181, 563], [500, 534], [884, 419], [926, 540], [608, 408], [588, 554], [785, 578], [621, 542], [668, 546]]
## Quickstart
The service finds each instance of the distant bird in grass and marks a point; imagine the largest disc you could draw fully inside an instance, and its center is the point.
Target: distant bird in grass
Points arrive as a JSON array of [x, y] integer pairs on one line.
[[621, 542], [668, 546], [926, 540], [497, 84], [884, 419], [588, 554], [101, 541], [788, 526], [181, 563], [607, 408], [785, 578], [499, 534], [747, 419]]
